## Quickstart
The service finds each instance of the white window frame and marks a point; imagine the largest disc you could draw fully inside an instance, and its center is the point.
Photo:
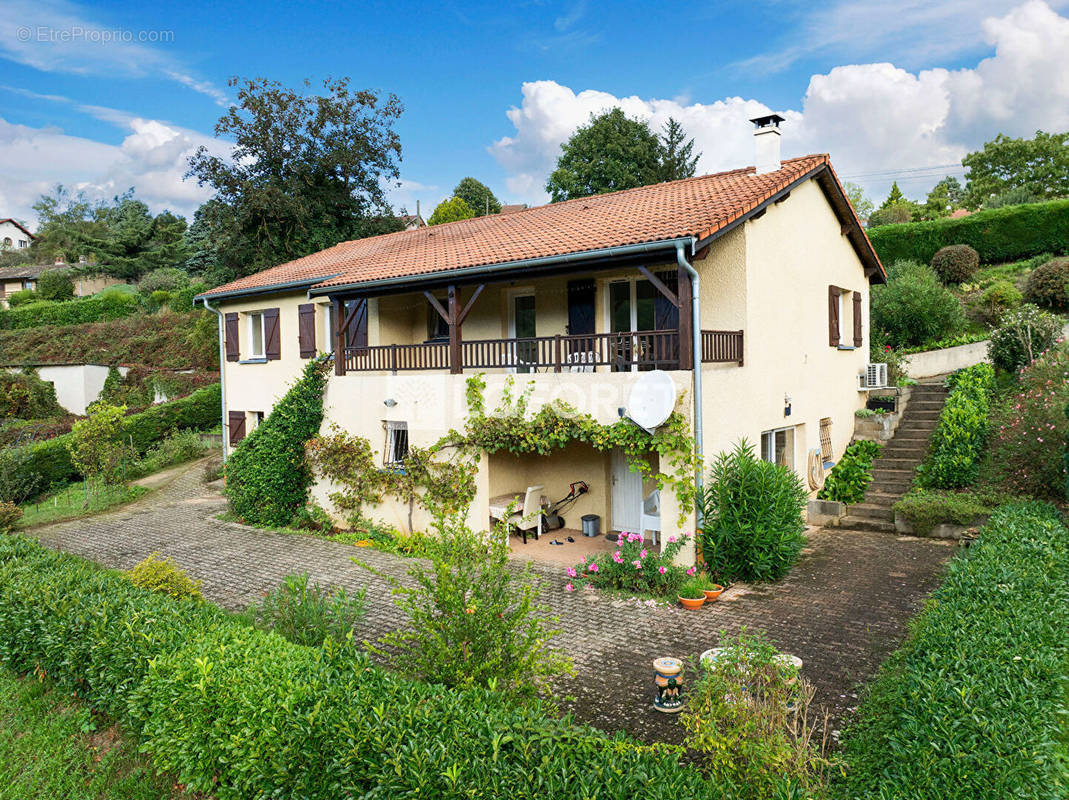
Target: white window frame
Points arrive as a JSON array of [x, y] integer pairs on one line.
[[327, 312], [395, 450], [789, 446], [252, 317]]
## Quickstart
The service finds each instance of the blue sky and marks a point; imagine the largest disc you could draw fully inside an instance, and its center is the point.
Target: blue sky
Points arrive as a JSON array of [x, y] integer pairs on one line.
[[890, 90]]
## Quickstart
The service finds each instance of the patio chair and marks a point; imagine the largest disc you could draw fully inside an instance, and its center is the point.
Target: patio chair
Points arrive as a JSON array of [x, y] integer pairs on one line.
[[581, 361], [651, 515], [530, 519]]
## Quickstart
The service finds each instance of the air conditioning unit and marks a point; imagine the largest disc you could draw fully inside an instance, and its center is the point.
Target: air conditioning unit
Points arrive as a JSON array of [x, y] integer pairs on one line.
[[875, 377]]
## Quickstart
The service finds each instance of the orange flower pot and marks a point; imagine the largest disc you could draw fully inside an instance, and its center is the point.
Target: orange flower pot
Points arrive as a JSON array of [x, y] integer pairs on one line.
[[712, 594], [693, 603]]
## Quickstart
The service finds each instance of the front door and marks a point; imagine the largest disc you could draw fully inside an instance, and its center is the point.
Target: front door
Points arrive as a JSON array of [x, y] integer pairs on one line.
[[522, 326], [626, 494]]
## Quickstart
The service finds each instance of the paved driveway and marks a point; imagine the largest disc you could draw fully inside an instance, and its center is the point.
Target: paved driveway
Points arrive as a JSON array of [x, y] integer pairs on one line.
[[842, 609]]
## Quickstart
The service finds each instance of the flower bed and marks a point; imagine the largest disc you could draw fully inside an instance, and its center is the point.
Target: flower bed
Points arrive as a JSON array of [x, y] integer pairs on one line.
[[634, 567]]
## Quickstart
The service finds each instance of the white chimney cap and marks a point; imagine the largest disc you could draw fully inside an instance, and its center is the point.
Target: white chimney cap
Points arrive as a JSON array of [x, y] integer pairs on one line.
[[766, 142]]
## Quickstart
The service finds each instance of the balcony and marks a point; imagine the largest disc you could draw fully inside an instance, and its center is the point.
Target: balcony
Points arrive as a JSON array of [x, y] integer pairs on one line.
[[618, 352]]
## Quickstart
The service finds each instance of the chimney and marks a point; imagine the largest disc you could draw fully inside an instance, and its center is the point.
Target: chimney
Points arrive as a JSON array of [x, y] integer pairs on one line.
[[766, 142], [418, 217], [59, 262]]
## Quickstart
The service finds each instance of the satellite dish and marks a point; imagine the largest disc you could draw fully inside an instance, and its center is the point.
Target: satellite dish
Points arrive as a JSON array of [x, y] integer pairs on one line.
[[652, 399]]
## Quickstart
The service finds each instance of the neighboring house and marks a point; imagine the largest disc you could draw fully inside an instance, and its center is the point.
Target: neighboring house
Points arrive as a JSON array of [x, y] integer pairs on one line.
[[13, 235], [413, 221], [512, 209], [580, 297], [15, 279]]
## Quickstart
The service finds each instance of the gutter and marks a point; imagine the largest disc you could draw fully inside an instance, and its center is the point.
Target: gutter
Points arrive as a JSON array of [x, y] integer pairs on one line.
[[696, 333], [255, 290], [222, 373]]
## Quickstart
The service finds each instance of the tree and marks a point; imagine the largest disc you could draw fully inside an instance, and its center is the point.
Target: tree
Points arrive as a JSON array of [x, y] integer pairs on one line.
[[478, 197], [1039, 165], [55, 284], [97, 447], [68, 225], [306, 171], [451, 210], [894, 197], [677, 159], [612, 152], [859, 200], [944, 197]]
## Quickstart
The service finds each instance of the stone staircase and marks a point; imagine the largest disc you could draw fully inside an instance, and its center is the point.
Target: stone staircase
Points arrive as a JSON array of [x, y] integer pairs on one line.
[[893, 470]]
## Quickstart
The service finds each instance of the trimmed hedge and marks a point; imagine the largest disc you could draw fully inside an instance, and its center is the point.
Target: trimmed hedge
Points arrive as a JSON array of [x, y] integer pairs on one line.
[[852, 474], [973, 705], [111, 305], [239, 713], [958, 443], [51, 460], [998, 235]]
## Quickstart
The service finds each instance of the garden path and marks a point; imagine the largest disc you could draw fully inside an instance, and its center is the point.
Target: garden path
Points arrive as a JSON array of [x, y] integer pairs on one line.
[[842, 609]]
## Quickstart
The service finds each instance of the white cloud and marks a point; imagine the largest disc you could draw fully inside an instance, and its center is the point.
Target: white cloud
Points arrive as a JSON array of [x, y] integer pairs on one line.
[[872, 118]]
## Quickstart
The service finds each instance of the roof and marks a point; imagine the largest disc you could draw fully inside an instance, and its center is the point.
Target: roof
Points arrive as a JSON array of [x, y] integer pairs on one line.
[[698, 208], [24, 271], [18, 225], [513, 208]]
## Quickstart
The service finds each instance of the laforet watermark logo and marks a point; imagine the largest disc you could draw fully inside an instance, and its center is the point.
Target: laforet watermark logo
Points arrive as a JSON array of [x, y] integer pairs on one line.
[[78, 34]]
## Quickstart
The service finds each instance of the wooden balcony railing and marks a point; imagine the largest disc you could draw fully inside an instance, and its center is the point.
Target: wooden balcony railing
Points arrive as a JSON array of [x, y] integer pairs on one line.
[[642, 350]]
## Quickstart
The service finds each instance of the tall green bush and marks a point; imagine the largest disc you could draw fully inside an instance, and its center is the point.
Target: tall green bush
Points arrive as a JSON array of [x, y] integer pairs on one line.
[[999, 235], [914, 307], [55, 284], [267, 477], [753, 523], [973, 705], [955, 263], [957, 445], [1048, 285], [1021, 337], [852, 474]]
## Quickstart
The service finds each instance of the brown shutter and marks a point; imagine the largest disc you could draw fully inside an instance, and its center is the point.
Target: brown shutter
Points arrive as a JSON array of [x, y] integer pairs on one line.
[[230, 334], [272, 339], [858, 337], [357, 334], [237, 426], [306, 329], [833, 316]]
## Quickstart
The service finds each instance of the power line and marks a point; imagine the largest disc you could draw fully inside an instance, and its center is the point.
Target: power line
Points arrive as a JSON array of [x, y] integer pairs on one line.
[[907, 171]]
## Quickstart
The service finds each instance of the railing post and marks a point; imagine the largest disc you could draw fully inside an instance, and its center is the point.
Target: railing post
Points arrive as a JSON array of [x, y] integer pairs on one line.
[[556, 353], [393, 358], [741, 351], [339, 336]]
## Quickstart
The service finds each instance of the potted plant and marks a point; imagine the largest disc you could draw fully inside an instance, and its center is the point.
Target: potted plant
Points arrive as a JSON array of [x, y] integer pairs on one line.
[[710, 588], [692, 593]]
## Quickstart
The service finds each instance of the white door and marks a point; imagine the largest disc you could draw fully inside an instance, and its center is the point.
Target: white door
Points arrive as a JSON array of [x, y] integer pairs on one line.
[[626, 494]]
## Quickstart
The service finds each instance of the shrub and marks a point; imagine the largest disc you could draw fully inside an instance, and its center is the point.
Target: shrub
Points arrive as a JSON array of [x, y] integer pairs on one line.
[[1000, 297], [924, 508], [158, 299], [753, 517], [1028, 428], [239, 713], [633, 567], [955, 263], [88, 309], [1048, 285], [10, 514], [998, 236], [973, 705], [852, 474], [307, 614], [747, 718], [165, 279], [178, 448], [23, 297], [1021, 336], [957, 445], [182, 299], [165, 576], [267, 479], [98, 449], [25, 396], [472, 620], [55, 284], [914, 307], [213, 470]]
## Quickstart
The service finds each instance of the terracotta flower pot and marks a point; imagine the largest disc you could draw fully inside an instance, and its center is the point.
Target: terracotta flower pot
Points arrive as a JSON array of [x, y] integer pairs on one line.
[[692, 603], [712, 594]]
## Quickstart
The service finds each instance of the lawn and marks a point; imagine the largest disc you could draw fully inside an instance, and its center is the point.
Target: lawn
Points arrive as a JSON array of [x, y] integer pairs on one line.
[[69, 503], [51, 746]]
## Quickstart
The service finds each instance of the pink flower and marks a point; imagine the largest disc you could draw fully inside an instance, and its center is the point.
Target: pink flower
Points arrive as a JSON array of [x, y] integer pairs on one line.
[[569, 588], [637, 563], [571, 572], [662, 569], [691, 571], [593, 568], [644, 553], [582, 559], [617, 557], [672, 540]]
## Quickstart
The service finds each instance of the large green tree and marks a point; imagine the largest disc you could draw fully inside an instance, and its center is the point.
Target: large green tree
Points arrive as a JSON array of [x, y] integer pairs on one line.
[[614, 151], [478, 197], [859, 200], [944, 197], [451, 210], [1040, 166], [306, 171]]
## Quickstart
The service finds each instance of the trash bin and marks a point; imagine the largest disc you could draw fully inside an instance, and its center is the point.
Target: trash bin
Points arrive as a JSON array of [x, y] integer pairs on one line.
[[591, 525]]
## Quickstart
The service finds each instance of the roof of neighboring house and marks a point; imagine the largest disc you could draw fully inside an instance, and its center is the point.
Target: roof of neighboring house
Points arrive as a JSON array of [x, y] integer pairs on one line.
[[408, 219], [18, 225], [700, 207], [958, 213], [512, 209], [24, 271]]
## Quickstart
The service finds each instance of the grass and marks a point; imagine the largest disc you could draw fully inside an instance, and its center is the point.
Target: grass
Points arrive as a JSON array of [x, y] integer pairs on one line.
[[52, 746], [69, 503]]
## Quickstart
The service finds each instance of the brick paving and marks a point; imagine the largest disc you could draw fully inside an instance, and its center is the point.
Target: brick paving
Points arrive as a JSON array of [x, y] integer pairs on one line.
[[842, 609]]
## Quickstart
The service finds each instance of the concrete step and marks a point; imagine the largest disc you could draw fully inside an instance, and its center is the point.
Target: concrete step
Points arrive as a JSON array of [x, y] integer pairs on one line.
[[861, 524], [916, 427], [886, 462], [871, 511], [917, 415], [925, 405], [891, 486], [915, 453], [874, 497]]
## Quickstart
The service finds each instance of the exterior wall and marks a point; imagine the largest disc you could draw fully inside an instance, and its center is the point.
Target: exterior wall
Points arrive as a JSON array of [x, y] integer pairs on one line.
[[18, 237], [85, 285], [76, 385]]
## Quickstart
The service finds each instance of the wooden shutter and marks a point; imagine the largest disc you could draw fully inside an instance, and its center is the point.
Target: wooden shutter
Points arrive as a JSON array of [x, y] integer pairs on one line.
[[665, 313], [858, 337], [272, 338], [356, 336], [833, 316], [230, 334], [306, 329], [236, 420]]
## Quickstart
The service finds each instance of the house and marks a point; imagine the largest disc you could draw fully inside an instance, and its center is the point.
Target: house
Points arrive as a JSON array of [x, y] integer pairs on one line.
[[13, 235], [86, 281], [412, 222], [749, 288], [514, 208]]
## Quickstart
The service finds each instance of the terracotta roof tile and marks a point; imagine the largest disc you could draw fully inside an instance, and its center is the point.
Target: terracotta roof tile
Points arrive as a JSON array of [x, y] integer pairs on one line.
[[695, 207]]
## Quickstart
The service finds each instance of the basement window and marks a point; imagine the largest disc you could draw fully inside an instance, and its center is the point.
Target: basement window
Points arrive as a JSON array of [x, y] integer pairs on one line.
[[396, 449], [777, 446]]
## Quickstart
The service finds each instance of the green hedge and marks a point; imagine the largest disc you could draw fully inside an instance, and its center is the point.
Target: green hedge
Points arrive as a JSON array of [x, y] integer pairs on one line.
[[957, 446], [51, 460], [974, 703], [111, 305], [240, 713], [998, 235], [852, 474]]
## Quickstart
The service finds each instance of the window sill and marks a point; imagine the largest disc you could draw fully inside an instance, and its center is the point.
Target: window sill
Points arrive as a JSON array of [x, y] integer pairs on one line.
[[845, 347], [257, 360]]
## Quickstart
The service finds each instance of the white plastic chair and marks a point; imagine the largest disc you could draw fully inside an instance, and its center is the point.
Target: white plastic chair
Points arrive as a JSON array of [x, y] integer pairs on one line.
[[651, 515], [581, 361], [530, 519]]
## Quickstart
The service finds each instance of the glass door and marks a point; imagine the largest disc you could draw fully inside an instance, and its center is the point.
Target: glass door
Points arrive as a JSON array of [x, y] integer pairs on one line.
[[523, 330], [632, 309]]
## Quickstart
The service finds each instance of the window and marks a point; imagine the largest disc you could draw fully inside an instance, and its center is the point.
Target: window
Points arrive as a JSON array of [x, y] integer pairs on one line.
[[257, 417], [31, 285], [777, 446], [396, 449], [256, 334], [329, 336], [437, 328], [7, 241], [23, 243]]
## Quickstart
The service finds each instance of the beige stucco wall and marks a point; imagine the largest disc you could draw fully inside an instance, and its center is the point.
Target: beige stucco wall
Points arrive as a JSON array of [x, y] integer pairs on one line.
[[85, 285]]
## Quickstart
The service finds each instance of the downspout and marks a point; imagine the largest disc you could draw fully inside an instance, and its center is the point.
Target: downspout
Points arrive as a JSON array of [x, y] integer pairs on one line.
[[222, 372], [696, 350]]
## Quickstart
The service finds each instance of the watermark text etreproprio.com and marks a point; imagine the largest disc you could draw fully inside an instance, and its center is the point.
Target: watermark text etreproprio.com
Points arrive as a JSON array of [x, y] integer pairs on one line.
[[78, 33]]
